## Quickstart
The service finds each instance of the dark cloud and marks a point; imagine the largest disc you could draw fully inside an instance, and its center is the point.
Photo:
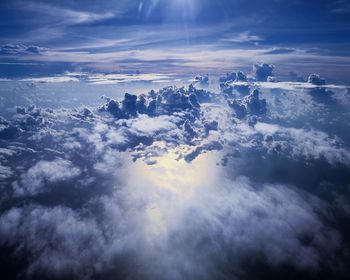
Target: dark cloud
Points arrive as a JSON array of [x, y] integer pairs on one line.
[[316, 79], [231, 82], [263, 71], [249, 105]]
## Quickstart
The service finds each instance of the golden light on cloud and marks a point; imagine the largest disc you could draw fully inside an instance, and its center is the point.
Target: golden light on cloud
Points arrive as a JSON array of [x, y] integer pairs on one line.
[[171, 172], [169, 185]]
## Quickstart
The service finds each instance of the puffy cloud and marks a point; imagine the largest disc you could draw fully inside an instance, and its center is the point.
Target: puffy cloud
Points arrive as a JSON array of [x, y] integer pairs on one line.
[[128, 107], [320, 94], [44, 173], [229, 77], [316, 79], [201, 80], [187, 127], [263, 71], [61, 241], [141, 184], [265, 222], [236, 219], [238, 76], [241, 77], [312, 145], [234, 81], [212, 125], [166, 101], [145, 125], [250, 105]]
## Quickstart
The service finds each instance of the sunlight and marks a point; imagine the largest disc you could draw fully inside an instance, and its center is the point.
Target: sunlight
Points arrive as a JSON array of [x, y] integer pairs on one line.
[[169, 185], [176, 175]]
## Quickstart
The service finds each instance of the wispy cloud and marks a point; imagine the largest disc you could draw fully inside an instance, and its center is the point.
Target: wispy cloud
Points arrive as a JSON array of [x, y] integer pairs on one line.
[[242, 38], [341, 7], [63, 16]]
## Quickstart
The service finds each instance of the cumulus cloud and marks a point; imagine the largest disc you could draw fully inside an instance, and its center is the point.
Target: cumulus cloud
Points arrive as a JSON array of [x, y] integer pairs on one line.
[[258, 224], [151, 126], [316, 79], [154, 181], [312, 144], [235, 81], [44, 173], [201, 80], [250, 105], [263, 71], [61, 241], [238, 76]]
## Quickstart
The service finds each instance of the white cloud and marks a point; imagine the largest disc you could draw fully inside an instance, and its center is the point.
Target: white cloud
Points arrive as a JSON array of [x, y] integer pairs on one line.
[[37, 177], [66, 15], [182, 219], [148, 126], [5, 172], [162, 225], [242, 38], [311, 144]]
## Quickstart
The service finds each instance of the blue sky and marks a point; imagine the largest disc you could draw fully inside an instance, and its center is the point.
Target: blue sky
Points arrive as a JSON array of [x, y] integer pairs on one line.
[[174, 36]]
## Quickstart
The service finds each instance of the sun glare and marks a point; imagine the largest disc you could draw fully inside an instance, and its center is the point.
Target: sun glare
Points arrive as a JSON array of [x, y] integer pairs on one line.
[[174, 174]]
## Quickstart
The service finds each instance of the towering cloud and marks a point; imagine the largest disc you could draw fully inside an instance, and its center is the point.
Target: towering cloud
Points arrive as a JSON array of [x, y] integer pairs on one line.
[[263, 71], [316, 79]]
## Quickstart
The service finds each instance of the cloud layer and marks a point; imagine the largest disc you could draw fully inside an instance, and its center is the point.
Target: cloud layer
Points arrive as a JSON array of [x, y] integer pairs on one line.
[[180, 183]]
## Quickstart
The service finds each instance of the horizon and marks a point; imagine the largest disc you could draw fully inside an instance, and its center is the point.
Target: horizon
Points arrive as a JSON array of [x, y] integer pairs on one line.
[[174, 139]]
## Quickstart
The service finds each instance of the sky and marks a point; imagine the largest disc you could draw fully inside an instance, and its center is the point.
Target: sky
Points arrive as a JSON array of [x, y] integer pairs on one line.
[[174, 139], [174, 36]]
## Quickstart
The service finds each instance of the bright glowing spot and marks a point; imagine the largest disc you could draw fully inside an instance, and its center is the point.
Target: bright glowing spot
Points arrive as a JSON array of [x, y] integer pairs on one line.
[[176, 175], [169, 185]]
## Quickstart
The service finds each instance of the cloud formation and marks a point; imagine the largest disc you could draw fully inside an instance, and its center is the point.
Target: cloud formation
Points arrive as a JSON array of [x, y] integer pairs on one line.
[[20, 49], [42, 174], [263, 71], [180, 181]]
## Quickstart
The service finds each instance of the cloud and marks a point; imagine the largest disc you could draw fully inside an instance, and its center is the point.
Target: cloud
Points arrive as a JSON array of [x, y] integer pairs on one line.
[[5, 172], [312, 145], [176, 182], [243, 38], [62, 15], [145, 125], [250, 105], [340, 7], [278, 51], [62, 242], [44, 173], [166, 101], [257, 226], [315, 79], [201, 80], [263, 71], [238, 220], [174, 59], [21, 49]]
